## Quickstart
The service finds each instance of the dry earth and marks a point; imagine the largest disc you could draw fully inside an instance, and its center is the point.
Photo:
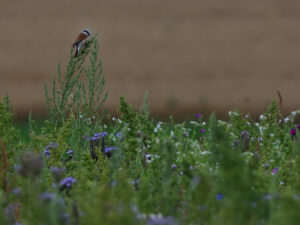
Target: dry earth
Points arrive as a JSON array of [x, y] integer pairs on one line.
[[191, 56]]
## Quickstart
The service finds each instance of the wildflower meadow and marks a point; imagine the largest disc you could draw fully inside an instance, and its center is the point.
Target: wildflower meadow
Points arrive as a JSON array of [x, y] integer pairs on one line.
[[83, 166]]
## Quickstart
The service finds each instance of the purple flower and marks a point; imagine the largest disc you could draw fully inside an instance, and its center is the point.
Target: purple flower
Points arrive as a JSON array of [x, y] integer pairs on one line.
[[99, 135], [109, 149], [85, 137], [173, 166], [49, 147], [267, 197], [65, 218], [67, 183], [293, 132], [53, 144], [16, 191], [219, 197], [57, 173], [198, 115], [47, 196], [135, 182], [47, 154], [275, 170], [70, 152], [155, 219], [202, 131], [118, 135]]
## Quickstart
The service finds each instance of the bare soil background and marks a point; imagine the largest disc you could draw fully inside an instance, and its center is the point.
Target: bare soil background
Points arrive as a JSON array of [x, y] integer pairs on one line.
[[191, 56]]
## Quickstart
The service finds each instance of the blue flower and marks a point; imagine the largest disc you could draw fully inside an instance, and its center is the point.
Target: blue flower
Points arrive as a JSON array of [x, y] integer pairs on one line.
[[219, 197]]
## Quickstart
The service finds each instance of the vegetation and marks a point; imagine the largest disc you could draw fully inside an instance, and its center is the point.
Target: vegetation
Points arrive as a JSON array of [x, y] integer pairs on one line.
[[77, 169]]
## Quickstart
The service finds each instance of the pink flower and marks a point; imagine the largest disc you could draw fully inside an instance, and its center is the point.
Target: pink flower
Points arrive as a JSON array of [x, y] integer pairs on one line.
[[275, 170]]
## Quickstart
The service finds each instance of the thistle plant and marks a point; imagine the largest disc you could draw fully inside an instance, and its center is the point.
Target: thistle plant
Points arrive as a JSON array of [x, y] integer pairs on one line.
[[79, 90]]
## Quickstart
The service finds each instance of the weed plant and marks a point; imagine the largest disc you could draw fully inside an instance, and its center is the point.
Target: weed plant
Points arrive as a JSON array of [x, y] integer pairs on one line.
[[76, 169]]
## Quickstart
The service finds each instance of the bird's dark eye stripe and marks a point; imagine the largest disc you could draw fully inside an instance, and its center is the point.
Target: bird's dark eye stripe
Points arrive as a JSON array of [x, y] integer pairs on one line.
[[87, 32]]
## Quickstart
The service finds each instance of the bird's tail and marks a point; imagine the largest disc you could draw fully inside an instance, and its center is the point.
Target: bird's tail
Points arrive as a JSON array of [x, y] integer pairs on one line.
[[77, 51]]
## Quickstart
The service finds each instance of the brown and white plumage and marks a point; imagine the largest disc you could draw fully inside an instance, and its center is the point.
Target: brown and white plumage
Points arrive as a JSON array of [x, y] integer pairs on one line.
[[84, 34]]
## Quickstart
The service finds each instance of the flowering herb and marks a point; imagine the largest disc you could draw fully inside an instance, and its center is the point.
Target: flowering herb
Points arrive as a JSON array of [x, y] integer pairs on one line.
[[47, 154], [173, 166], [293, 130], [67, 183], [50, 146], [47, 196], [57, 173], [274, 171], [97, 136], [110, 149], [70, 152], [219, 197], [149, 158]]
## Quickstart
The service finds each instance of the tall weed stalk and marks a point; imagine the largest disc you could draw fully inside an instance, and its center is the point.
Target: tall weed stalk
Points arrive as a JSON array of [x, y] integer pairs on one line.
[[79, 89]]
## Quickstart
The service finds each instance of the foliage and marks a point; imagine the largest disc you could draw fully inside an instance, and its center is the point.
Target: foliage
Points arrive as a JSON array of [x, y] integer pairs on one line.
[[76, 169], [79, 89]]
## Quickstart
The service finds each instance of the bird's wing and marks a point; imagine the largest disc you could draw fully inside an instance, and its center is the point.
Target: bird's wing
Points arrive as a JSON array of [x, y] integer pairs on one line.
[[78, 46], [79, 39]]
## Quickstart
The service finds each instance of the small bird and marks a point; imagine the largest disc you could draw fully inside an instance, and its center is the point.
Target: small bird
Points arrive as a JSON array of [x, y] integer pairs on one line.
[[84, 34]]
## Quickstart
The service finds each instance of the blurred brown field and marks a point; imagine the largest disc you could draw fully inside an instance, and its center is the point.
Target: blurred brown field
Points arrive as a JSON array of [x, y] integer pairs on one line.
[[191, 56]]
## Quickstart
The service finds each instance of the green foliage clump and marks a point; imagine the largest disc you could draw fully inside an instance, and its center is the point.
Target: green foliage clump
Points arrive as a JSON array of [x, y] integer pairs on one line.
[[79, 89]]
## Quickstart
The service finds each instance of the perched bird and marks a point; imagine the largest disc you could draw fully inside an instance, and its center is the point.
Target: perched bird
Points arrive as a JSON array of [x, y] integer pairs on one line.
[[84, 34]]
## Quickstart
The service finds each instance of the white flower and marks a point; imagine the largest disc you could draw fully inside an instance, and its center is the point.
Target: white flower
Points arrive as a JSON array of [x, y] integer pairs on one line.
[[261, 117], [229, 113], [149, 158], [286, 119], [205, 152]]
